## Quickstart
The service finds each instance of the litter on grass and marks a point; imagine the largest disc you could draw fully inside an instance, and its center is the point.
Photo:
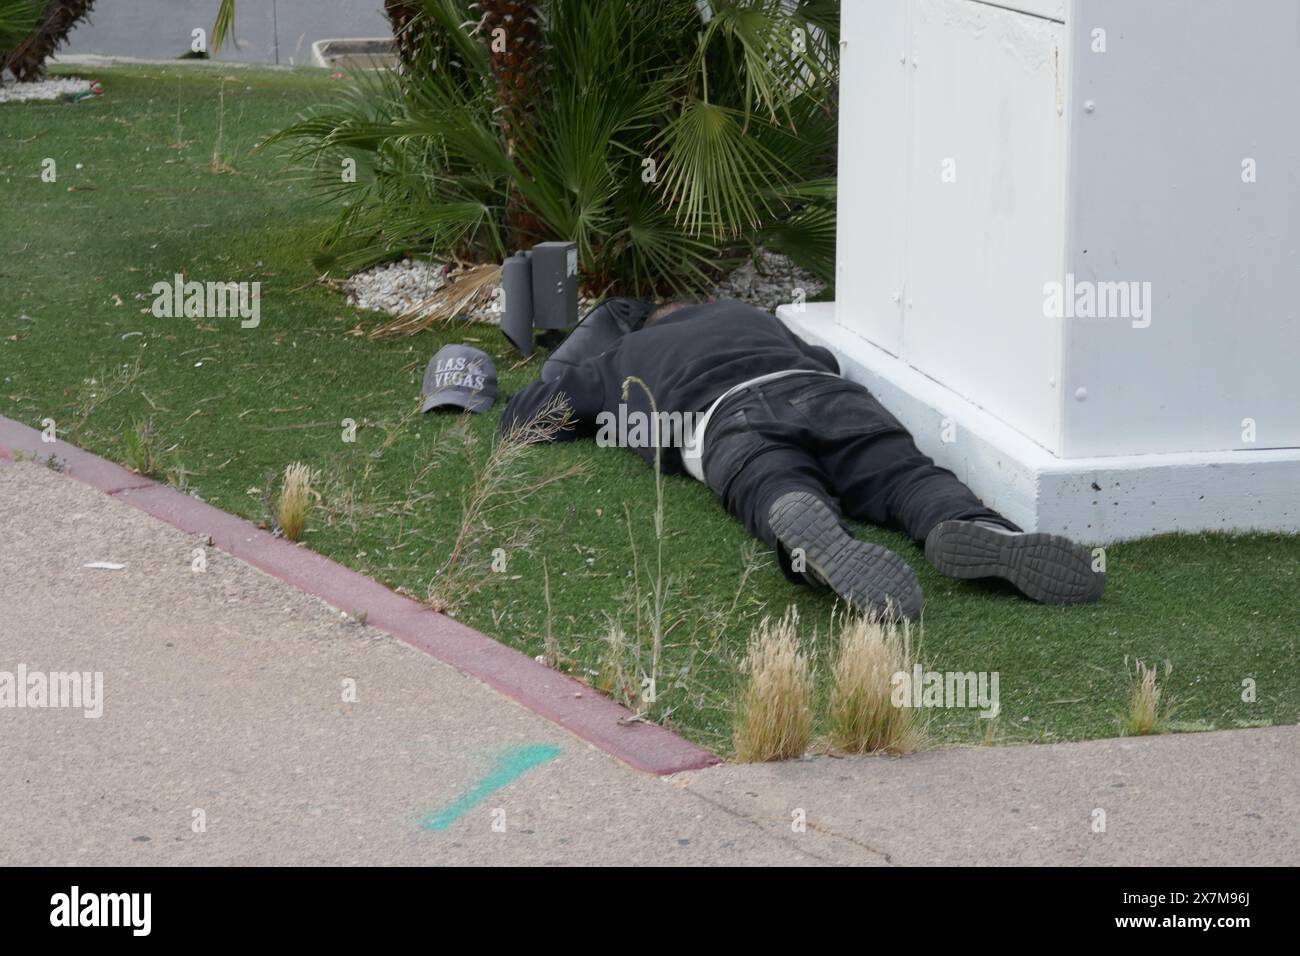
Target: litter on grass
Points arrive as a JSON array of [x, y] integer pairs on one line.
[[69, 88]]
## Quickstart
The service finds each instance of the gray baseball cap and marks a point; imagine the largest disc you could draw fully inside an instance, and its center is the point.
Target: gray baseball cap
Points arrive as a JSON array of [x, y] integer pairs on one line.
[[460, 376]]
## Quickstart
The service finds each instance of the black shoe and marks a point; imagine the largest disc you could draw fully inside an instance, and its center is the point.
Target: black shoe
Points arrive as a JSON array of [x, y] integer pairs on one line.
[[1045, 567], [872, 579]]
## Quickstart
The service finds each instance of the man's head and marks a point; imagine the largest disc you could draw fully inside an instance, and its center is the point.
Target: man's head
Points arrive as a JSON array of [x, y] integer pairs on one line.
[[665, 309]]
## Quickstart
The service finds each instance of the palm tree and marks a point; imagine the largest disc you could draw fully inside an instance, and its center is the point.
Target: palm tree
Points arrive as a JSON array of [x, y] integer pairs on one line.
[[17, 19], [513, 30], [664, 142], [404, 16], [513, 33], [24, 51]]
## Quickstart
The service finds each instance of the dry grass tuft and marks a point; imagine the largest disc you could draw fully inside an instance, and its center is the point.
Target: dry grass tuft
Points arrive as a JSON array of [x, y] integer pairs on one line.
[[774, 719], [1144, 710], [296, 499], [140, 445], [862, 715], [616, 678]]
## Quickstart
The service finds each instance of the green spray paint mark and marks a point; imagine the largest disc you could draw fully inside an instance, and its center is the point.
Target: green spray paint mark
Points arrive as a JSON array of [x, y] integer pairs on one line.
[[511, 765]]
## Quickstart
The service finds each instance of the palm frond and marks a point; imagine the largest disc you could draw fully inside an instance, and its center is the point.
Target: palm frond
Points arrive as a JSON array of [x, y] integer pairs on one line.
[[223, 28], [17, 19], [808, 238], [715, 171]]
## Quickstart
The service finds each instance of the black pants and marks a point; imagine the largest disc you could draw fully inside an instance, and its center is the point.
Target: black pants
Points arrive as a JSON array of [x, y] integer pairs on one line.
[[831, 437]]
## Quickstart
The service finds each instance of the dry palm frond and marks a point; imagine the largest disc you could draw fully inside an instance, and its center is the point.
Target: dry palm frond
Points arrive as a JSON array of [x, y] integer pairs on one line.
[[465, 292]]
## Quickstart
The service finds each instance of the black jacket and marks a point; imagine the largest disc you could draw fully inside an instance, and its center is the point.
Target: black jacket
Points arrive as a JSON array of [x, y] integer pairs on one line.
[[687, 359]]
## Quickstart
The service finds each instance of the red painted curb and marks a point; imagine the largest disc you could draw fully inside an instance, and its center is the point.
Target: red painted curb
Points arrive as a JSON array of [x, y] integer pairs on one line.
[[575, 706]]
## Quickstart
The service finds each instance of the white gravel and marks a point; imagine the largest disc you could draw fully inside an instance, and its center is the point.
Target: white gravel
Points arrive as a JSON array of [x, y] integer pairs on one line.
[[396, 287], [53, 88]]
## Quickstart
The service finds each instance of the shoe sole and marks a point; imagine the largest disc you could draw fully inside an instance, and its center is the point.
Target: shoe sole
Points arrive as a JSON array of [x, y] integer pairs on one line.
[[872, 579], [1047, 568]]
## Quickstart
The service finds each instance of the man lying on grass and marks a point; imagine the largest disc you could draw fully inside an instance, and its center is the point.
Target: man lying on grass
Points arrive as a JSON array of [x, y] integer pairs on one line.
[[790, 446]]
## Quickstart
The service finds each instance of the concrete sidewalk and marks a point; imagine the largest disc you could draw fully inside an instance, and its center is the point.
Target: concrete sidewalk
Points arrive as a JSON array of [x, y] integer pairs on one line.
[[230, 735]]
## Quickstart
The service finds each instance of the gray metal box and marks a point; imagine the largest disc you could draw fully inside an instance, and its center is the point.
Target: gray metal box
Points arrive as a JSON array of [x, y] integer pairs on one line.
[[555, 285]]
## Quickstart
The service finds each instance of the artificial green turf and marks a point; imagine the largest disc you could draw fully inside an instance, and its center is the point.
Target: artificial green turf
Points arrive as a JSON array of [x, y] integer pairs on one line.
[[77, 261]]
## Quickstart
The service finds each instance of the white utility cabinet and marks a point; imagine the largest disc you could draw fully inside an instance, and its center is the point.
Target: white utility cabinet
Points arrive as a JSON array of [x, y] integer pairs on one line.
[[1069, 252]]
